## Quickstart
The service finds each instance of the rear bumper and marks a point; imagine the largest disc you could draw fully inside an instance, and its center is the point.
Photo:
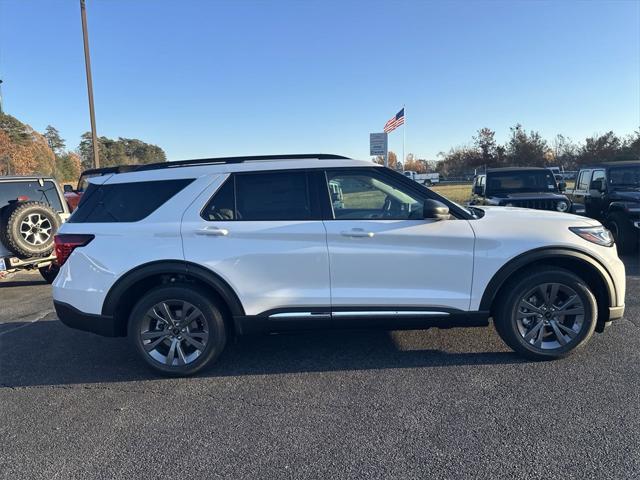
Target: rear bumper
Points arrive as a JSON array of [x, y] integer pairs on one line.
[[100, 324]]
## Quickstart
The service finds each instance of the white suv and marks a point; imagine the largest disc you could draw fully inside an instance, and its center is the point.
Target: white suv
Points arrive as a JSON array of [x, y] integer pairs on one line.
[[180, 256]]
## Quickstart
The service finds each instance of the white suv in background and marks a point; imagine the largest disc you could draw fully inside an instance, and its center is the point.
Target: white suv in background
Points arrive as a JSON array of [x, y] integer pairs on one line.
[[180, 256]]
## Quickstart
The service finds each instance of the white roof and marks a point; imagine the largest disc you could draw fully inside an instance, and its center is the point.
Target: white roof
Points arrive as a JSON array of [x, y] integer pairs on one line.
[[197, 171]]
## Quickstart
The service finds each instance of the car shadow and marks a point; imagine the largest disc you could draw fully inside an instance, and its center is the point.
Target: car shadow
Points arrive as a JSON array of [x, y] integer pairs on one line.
[[48, 353], [21, 283]]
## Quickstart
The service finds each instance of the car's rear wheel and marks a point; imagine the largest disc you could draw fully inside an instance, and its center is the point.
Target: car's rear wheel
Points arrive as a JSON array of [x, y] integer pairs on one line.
[[625, 235], [548, 313], [178, 330]]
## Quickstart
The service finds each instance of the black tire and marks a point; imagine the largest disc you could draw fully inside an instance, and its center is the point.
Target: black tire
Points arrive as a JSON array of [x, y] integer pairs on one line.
[[211, 321], [514, 331], [49, 272], [625, 235], [25, 241]]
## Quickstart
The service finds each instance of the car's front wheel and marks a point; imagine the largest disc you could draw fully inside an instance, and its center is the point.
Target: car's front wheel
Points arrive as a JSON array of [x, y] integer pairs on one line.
[[178, 330], [546, 314]]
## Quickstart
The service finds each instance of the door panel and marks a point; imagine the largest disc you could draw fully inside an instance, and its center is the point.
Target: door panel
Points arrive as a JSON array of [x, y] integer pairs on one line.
[[383, 253], [400, 263], [269, 264]]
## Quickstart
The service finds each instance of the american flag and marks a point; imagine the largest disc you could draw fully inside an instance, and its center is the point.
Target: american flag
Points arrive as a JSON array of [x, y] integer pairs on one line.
[[394, 122]]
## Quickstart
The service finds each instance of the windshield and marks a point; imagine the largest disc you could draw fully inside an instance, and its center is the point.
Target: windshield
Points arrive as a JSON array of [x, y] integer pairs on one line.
[[625, 176], [521, 181]]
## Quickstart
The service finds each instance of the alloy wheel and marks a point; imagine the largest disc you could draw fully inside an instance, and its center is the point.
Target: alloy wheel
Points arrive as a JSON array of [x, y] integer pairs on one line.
[[36, 229], [550, 316], [174, 333]]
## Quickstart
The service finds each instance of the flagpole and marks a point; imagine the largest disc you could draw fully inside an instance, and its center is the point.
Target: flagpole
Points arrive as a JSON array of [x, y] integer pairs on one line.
[[404, 134]]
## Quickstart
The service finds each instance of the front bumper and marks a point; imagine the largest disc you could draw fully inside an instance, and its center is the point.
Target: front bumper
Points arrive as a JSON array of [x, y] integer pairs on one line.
[[100, 324]]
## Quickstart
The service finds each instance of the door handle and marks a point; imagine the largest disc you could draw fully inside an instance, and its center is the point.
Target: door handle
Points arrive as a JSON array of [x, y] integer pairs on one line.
[[357, 233], [213, 232]]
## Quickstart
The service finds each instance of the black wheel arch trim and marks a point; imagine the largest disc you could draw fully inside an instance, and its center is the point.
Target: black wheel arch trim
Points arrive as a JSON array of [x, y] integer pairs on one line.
[[544, 253], [178, 267]]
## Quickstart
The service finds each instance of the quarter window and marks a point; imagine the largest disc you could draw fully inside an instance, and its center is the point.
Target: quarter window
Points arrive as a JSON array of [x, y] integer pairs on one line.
[[366, 196], [124, 202]]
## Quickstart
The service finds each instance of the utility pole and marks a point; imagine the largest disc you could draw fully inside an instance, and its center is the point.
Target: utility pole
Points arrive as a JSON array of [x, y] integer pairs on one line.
[[1, 112], [87, 63]]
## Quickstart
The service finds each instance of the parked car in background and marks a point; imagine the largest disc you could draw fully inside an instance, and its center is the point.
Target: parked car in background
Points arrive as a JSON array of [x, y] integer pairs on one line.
[[73, 196], [610, 193], [427, 179], [32, 208], [182, 256], [535, 188]]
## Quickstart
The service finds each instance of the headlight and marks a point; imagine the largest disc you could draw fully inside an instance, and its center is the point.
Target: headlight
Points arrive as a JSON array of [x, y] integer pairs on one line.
[[598, 235], [562, 206], [508, 205]]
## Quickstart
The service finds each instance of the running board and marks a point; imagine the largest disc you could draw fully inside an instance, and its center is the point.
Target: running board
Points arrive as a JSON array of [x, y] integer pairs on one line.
[[396, 319]]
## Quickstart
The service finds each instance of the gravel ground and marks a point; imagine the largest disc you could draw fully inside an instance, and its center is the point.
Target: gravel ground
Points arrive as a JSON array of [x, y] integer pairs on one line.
[[423, 404]]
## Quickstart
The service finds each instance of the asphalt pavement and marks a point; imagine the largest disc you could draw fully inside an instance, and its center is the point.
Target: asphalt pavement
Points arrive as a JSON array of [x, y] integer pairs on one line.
[[452, 404]]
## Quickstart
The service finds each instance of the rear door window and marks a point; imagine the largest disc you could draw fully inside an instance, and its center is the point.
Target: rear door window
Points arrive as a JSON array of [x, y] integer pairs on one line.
[[263, 196], [124, 202]]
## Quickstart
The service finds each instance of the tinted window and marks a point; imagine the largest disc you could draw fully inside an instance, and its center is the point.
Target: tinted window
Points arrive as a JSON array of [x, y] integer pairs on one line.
[[48, 193], [124, 202], [222, 205], [628, 176], [366, 196], [521, 181], [273, 196]]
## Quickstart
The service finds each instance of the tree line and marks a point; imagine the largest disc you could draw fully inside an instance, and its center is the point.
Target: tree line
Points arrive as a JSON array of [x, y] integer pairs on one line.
[[524, 149], [24, 151]]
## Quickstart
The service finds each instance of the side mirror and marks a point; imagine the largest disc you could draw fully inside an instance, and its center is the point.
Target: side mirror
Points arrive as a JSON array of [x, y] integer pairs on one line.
[[68, 188], [562, 186], [477, 189], [597, 185], [434, 210]]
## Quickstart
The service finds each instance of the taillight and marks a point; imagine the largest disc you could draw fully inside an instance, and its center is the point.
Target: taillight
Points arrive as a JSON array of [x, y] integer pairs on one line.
[[67, 243]]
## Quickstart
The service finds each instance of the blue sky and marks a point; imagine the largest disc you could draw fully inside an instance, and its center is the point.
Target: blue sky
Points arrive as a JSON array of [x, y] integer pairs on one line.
[[210, 78]]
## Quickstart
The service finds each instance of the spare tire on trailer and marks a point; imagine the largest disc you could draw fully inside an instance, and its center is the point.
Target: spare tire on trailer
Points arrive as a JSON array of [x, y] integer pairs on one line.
[[28, 228]]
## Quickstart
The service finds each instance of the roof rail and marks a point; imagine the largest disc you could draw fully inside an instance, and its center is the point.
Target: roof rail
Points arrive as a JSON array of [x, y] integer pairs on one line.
[[213, 161]]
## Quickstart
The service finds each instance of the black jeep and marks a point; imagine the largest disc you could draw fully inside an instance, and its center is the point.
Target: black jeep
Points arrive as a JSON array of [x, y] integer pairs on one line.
[[520, 187], [611, 193]]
